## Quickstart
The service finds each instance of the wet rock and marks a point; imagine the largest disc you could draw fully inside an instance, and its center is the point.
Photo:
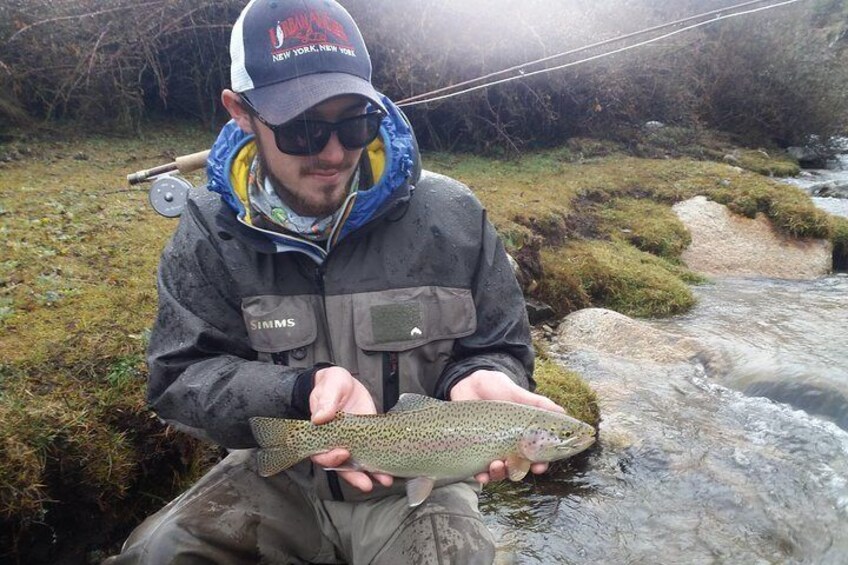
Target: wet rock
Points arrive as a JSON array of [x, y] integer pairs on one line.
[[810, 157], [538, 311], [728, 245], [830, 189], [597, 329]]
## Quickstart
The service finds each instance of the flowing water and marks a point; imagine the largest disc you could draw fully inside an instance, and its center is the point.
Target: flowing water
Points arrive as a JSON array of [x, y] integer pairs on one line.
[[738, 455]]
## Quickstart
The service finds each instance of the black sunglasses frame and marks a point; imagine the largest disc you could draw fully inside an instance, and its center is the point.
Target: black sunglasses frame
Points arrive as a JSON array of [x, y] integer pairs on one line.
[[283, 134]]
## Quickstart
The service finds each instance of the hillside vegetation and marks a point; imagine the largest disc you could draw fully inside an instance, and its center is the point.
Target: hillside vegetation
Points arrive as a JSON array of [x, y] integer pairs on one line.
[[772, 77]]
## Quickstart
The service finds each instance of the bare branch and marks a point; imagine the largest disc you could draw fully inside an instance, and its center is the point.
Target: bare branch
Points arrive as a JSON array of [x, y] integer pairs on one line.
[[78, 16]]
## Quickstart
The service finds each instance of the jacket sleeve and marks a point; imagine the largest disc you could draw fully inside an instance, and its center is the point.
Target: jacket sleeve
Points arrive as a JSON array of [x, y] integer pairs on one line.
[[204, 376], [502, 339]]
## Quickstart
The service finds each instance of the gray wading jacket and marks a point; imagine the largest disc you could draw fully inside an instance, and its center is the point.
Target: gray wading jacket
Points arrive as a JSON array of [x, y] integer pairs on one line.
[[416, 297]]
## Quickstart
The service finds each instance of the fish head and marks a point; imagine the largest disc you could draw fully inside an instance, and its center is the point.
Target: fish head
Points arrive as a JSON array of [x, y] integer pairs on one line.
[[555, 436]]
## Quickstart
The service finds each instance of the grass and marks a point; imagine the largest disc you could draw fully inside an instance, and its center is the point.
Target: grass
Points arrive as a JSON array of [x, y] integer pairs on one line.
[[77, 292], [77, 296], [568, 389]]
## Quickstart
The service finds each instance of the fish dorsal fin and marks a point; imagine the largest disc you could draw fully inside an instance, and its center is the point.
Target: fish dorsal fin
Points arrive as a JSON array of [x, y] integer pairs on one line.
[[418, 489], [409, 401]]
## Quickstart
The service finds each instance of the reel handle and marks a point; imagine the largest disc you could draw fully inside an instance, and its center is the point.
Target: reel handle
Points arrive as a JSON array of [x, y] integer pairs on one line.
[[183, 164]]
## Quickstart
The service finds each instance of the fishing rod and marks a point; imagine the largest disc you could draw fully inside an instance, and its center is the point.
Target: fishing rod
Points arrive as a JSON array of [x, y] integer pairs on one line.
[[413, 101]]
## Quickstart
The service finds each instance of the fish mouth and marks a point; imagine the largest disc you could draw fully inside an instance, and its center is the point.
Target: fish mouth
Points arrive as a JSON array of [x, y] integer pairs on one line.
[[576, 444]]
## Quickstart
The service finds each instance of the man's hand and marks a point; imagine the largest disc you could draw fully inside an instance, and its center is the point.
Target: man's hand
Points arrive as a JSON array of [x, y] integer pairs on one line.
[[335, 390], [494, 385]]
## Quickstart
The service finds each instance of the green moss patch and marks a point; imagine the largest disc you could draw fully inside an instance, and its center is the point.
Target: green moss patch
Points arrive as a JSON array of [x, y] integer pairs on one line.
[[568, 389], [647, 225], [617, 276]]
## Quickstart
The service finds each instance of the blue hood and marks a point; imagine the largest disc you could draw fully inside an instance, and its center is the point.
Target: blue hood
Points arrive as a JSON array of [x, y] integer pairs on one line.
[[401, 170]]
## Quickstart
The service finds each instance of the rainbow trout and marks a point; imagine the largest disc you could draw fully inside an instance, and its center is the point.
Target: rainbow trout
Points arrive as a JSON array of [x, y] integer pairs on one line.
[[424, 440]]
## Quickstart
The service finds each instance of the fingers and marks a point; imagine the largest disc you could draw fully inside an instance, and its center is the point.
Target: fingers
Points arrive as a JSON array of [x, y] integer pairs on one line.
[[538, 468], [332, 458], [358, 480], [336, 390], [497, 470], [363, 481], [383, 479], [537, 400], [325, 400]]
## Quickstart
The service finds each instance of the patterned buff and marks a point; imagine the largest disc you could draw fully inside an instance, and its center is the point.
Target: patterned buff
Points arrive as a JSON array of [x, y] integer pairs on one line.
[[269, 212]]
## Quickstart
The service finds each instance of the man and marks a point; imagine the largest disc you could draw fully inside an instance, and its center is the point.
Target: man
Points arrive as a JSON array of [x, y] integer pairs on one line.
[[328, 274]]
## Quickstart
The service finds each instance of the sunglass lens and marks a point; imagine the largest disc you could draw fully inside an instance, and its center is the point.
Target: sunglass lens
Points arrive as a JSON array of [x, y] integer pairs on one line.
[[302, 137], [359, 131]]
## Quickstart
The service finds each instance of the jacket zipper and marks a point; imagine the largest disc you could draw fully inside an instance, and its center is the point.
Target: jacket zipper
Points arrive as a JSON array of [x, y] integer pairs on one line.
[[332, 476], [391, 380]]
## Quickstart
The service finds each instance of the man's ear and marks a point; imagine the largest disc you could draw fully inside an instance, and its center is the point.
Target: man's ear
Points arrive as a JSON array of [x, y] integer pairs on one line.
[[232, 102]]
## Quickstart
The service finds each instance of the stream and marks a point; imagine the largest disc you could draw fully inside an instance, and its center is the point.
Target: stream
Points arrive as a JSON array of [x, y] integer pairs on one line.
[[737, 455]]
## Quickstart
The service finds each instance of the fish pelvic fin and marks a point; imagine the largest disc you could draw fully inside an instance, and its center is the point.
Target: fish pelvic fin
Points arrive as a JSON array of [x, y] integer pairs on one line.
[[284, 443], [418, 489]]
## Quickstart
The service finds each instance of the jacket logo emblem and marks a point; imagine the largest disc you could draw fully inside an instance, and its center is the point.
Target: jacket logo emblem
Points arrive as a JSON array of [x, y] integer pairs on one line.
[[256, 325], [415, 332]]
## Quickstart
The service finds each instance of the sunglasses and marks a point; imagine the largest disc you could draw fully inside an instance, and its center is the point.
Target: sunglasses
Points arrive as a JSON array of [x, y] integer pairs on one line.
[[303, 136]]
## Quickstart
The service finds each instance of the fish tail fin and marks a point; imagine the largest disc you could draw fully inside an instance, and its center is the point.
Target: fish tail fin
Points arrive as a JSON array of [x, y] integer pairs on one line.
[[284, 443], [275, 459]]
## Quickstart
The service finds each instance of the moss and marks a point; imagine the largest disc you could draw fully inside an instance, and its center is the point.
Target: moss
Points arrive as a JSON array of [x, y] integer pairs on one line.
[[789, 208], [77, 293], [617, 276], [569, 390], [647, 225], [774, 163]]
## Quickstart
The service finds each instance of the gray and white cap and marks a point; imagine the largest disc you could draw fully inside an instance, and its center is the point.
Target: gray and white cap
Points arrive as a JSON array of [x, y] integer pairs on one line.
[[289, 55]]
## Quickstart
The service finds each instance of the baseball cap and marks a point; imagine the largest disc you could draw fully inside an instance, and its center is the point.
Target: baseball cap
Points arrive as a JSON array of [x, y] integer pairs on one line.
[[289, 55]]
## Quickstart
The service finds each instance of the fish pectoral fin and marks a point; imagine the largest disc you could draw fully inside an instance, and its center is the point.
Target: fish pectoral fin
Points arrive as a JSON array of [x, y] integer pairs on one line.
[[518, 467], [418, 489]]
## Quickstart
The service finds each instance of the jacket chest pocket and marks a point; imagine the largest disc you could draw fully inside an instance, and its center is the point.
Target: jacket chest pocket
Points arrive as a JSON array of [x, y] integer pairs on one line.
[[282, 329], [406, 336]]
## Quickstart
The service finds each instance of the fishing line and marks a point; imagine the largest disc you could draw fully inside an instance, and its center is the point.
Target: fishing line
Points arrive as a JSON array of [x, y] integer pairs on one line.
[[417, 100], [524, 66]]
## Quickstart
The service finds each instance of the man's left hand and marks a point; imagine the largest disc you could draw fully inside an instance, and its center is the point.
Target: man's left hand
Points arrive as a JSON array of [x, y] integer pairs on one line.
[[494, 385]]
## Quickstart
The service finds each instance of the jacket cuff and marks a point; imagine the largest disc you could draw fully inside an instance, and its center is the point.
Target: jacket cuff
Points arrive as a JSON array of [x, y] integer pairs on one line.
[[303, 385]]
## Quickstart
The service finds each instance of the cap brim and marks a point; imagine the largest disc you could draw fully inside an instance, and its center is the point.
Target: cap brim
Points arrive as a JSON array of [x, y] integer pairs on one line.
[[281, 102]]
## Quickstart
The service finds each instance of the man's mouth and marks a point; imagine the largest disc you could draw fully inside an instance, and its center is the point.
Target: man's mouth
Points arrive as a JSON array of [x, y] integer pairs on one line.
[[325, 174]]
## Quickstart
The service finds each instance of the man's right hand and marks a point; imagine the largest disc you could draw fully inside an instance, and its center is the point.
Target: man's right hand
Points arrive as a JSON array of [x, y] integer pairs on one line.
[[335, 390]]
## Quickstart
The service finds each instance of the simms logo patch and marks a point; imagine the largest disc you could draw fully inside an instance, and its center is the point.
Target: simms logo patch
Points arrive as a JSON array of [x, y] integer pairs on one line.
[[257, 325]]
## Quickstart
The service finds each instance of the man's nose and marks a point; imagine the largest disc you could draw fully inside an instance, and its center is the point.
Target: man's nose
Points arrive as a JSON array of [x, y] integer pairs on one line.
[[333, 152]]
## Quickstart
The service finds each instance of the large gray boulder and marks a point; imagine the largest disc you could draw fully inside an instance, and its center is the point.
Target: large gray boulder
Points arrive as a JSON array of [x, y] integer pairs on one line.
[[725, 244]]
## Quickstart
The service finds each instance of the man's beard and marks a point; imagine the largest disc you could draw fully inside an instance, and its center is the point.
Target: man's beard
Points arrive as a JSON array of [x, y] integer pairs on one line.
[[296, 202]]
